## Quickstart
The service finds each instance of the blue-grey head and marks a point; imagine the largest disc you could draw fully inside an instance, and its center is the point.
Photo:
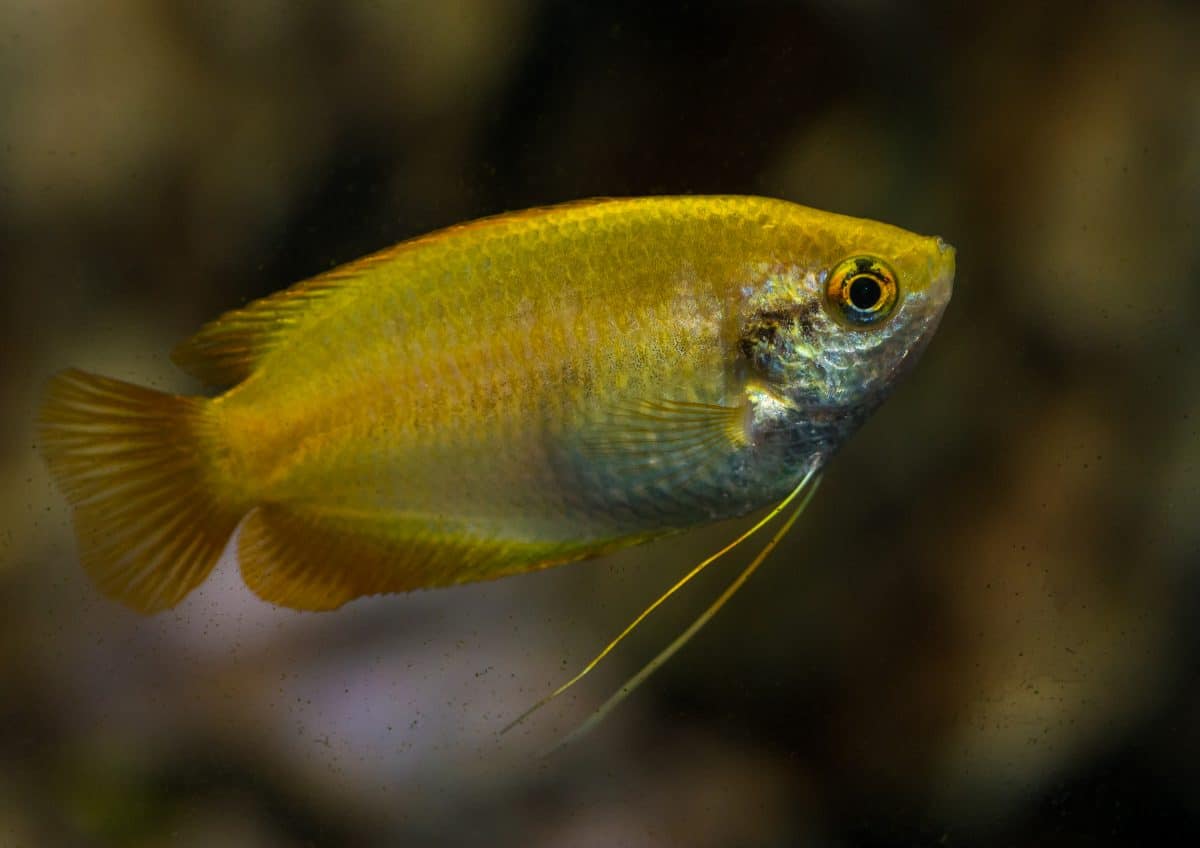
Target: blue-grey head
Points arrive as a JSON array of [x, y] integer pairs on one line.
[[828, 333]]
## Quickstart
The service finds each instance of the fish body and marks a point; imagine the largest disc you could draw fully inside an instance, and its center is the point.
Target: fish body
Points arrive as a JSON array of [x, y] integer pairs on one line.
[[499, 396]]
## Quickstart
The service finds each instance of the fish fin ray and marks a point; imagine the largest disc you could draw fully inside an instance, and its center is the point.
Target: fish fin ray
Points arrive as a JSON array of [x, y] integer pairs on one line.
[[311, 559], [132, 463], [665, 435], [228, 350]]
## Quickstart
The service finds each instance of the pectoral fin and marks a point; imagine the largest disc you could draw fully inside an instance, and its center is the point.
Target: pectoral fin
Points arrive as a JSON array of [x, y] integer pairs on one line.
[[654, 440]]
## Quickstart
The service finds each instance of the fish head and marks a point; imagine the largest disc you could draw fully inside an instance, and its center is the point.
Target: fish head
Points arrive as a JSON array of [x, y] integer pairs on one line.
[[828, 334]]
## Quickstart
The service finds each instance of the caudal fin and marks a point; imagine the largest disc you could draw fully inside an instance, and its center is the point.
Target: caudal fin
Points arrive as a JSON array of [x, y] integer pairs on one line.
[[132, 461]]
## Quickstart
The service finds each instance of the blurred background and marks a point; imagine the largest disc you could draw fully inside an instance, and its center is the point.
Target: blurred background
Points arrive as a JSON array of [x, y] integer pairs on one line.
[[983, 632]]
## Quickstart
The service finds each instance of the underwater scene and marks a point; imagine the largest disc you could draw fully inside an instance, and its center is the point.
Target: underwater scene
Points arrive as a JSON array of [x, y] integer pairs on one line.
[[537, 423]]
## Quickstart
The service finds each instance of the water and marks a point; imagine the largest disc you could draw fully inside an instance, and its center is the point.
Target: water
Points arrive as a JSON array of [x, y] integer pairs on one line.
[[981, 633]]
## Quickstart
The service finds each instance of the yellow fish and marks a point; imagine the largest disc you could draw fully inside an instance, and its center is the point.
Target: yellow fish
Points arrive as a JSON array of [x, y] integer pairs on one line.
[[497, 397]]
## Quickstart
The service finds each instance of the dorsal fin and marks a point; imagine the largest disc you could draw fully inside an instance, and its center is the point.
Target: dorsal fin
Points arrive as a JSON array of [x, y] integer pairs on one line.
[[229, 349]]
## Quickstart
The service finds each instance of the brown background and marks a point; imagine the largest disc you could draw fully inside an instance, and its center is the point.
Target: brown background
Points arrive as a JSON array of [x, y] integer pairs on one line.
[[982, 633]]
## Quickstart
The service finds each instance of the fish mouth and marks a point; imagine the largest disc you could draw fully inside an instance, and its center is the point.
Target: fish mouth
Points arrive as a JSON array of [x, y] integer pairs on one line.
[[942, 272], [929, 307]]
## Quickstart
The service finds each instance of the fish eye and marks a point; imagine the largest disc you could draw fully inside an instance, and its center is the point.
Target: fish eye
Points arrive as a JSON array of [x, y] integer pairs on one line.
[[862, 290]]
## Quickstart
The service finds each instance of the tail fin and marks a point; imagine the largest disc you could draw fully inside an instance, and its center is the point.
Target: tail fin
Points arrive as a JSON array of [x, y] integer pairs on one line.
[[132, 461]]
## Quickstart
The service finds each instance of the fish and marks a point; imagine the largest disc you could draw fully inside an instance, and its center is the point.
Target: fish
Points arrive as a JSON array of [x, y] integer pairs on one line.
[[501, 396]]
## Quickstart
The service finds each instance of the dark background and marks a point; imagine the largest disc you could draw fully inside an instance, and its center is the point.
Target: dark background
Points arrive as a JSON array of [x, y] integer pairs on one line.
[[982, 633]]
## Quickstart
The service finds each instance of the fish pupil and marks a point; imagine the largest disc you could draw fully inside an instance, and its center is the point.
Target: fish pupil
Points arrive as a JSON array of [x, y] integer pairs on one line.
[[865, 292]]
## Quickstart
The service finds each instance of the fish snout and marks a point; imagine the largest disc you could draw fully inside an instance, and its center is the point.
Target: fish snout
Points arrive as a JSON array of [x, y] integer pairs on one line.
[[943, 266]]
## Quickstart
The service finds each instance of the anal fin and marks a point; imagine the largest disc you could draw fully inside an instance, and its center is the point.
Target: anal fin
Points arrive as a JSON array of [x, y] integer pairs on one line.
[[311, 559]]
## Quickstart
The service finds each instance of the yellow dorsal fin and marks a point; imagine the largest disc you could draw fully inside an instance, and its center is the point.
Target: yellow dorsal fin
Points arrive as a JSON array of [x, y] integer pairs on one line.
[[229, 349]]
